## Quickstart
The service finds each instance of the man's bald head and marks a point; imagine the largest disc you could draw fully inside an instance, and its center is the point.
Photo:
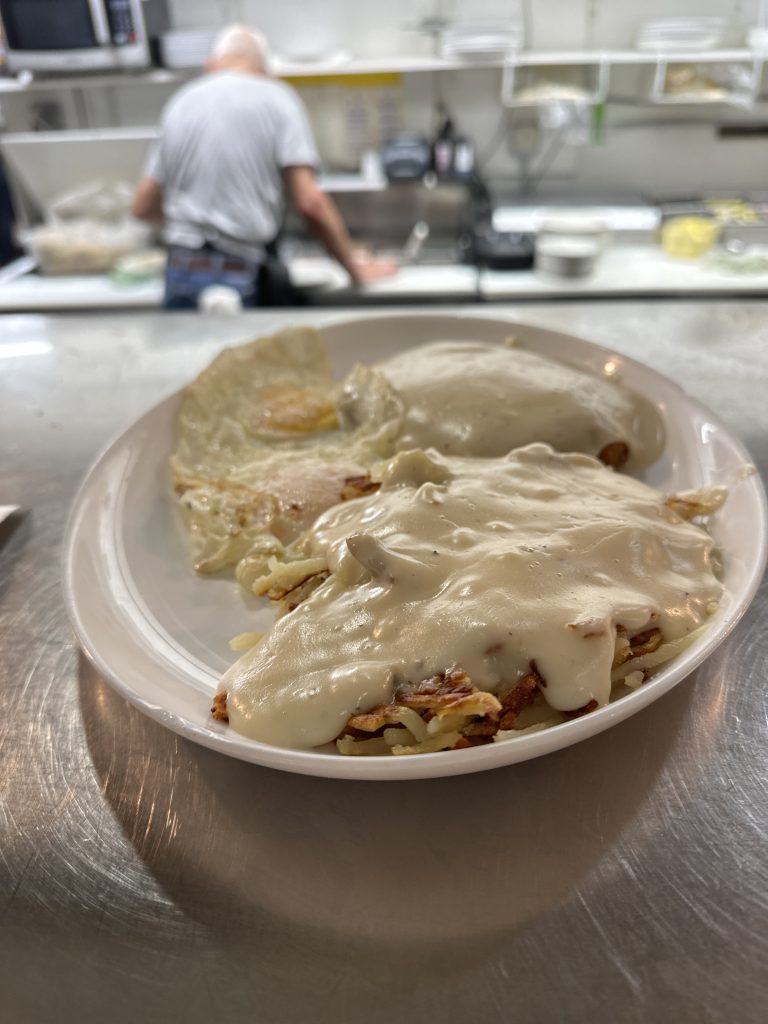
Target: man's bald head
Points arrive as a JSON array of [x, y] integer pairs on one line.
[[239, 48]]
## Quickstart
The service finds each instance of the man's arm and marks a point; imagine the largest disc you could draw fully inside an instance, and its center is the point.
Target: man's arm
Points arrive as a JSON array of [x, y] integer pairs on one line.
[[324, 220], [148, 200]]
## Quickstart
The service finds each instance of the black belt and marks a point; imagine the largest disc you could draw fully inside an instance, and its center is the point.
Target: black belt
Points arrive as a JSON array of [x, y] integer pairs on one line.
[[201, 263], [208, 257]]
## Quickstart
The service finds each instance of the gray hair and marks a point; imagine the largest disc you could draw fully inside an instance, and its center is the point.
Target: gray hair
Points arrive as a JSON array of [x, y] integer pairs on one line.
[[244, 43]]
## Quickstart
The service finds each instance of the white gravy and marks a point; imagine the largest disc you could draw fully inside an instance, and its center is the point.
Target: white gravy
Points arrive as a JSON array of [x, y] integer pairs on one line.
[[474, 398], [483, 563]]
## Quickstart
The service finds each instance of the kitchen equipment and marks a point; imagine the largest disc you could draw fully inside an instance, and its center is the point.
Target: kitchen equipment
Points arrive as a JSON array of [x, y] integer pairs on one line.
[[566, 257], [218, 299], [415, 242], [443, 147], [549, 86], [186, 49], [628, 219], [406, 158], [453, 156], [735, 82], [81, 35], [501, 250], [689, 238], [463, 158], [569, 246], [298, 32]]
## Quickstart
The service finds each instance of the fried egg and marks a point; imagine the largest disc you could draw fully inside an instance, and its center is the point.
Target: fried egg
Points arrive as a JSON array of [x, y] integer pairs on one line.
[[263, 448]]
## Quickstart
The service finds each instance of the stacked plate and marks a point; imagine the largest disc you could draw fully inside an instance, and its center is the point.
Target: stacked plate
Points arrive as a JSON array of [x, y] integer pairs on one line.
[[186, 49], [681, 34], [485, 41], [757, 39]]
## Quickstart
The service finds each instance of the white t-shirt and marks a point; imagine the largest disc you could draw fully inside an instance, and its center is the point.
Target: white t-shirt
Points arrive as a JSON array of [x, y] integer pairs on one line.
[[224, 140]]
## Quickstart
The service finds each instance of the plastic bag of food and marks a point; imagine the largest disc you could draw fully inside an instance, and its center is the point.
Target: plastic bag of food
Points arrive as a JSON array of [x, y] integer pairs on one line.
[[107, 202], [87, 230], [84, 246]]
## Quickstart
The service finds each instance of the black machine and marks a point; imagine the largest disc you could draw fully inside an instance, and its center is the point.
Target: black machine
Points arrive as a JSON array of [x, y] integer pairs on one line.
[[500, 250], [406, 158]]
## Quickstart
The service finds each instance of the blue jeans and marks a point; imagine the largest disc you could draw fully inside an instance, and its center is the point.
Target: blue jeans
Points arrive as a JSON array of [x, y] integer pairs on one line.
[[189, 271]]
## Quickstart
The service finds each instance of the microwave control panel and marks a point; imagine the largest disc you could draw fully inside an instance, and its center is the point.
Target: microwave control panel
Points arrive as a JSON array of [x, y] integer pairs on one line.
[[122, 28]]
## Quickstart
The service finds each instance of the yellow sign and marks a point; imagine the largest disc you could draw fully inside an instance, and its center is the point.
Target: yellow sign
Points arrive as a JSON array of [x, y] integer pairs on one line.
[[379, 80]]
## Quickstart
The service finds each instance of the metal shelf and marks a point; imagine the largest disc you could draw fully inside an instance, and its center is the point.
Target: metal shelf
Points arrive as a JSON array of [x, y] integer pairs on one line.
[[388, 65]]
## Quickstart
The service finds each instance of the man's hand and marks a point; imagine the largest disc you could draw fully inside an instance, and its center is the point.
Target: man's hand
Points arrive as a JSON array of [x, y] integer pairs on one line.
[[368, 270]]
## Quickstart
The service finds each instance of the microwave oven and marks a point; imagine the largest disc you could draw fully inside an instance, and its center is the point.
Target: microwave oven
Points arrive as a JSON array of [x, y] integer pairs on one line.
[[81, 35]]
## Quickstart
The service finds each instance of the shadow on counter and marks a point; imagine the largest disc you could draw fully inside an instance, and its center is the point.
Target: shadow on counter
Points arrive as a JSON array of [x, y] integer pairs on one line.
[[371, 866]]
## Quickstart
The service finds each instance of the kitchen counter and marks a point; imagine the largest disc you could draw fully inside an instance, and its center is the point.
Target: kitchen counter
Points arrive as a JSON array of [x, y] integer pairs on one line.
[[628, 270], [145, 878], [623, 271], [320, 276], [37, 293]]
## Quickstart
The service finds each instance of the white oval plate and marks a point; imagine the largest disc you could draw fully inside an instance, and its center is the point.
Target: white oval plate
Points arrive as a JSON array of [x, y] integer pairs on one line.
[[159, 634]]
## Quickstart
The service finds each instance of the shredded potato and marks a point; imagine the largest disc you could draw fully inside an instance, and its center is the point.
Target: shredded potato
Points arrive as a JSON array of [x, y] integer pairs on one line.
[[349, 745], [508, 734], [244, 641], [455, 721], [283, 577], [634, 680], [440, 741], [693, 504], [668, 650]]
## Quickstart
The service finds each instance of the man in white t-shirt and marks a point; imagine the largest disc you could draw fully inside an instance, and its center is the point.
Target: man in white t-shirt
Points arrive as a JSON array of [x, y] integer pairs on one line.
[[233, 145]]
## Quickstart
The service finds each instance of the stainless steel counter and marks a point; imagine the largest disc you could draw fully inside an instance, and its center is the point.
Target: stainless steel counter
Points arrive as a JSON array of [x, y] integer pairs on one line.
[[630, 271], [143, 878]]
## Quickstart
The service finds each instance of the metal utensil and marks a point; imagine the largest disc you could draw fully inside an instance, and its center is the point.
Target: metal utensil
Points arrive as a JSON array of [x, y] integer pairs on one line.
[[415, 241]]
